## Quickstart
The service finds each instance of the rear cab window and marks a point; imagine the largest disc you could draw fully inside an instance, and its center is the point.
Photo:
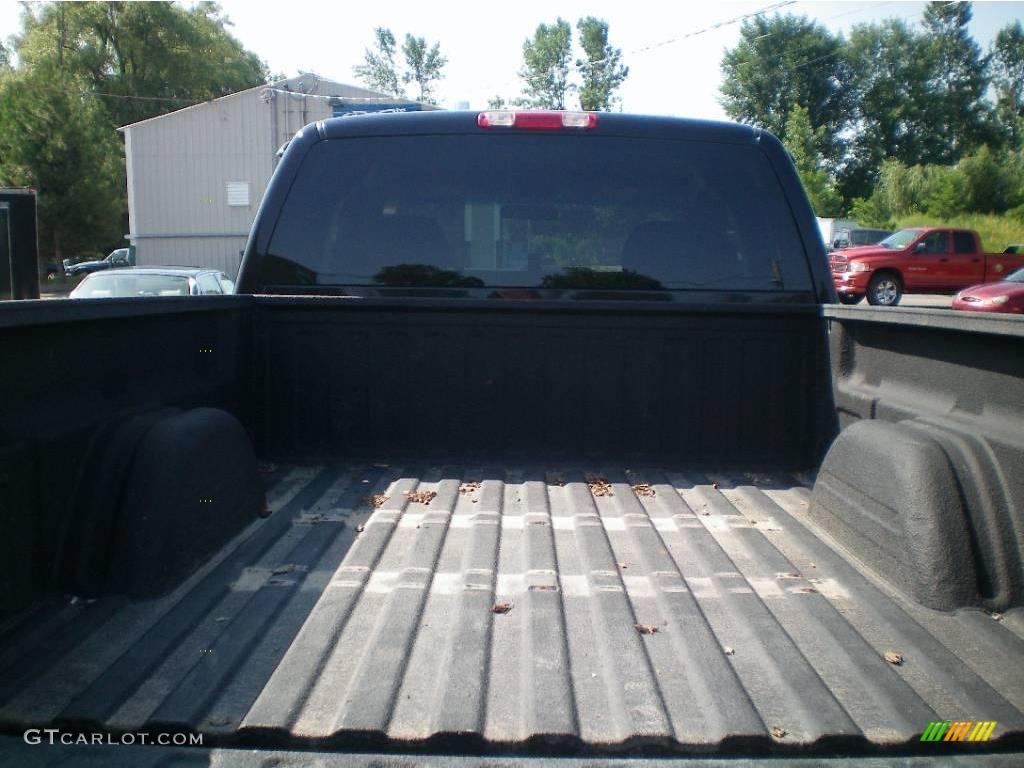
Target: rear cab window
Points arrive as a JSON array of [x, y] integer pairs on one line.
[[963, 242], [535, 216]]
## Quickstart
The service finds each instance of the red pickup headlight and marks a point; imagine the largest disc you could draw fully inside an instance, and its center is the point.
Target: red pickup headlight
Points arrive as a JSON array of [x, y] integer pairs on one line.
[[858, 266]]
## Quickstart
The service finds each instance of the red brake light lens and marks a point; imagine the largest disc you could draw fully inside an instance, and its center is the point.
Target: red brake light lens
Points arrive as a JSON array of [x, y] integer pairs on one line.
[[537, 121]]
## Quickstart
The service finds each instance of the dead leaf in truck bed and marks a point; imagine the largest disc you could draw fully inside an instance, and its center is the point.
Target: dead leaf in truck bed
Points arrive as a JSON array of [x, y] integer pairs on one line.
[[375, 500], [553, 479], [501, 607], [599, 486], [420, 497], [360, 528], [894, 658], [469, 486], [715, 486], [777, 732], [728, 650], [643, 489], [645, 629], [289, 568]]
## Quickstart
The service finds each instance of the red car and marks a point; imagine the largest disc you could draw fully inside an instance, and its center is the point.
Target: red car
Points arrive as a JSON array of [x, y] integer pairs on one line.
[[1004, 296]]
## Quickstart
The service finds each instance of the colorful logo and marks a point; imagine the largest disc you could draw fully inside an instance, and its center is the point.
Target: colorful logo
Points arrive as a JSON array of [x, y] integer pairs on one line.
[[958, 730]]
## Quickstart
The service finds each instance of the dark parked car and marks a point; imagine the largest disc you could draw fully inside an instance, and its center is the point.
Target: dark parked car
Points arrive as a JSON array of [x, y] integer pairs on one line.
[[849, 238], [153, 281], [122, 257], [1004, 296]]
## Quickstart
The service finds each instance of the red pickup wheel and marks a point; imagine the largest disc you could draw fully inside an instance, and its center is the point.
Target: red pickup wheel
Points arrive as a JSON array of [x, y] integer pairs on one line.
[[885, 289]]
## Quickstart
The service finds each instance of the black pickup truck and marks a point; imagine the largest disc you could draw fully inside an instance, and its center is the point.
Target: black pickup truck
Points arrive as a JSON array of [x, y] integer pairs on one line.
[[532, 437]]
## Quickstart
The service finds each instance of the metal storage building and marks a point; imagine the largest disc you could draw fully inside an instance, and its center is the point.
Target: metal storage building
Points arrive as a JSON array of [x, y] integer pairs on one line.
[[196, 176]]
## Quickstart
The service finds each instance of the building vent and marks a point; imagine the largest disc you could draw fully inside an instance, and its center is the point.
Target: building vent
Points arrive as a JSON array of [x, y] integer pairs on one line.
[[238, 193]]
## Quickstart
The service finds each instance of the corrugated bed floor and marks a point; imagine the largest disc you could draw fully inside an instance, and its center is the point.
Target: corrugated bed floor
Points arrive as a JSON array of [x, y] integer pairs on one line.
[[569, 609]]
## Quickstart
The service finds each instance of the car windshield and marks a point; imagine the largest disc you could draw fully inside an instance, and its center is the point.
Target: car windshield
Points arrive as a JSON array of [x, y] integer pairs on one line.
[[1016, 277], [121, 286], [899, 240]]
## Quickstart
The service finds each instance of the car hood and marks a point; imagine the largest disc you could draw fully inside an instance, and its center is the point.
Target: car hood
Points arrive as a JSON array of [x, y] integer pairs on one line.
[[862, 251], [989, 290]]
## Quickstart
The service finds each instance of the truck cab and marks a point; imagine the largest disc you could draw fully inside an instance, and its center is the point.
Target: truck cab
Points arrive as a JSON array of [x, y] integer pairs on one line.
[[121, 257]]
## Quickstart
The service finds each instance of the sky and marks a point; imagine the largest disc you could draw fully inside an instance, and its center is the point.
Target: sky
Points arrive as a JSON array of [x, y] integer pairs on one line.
[[673, 50]]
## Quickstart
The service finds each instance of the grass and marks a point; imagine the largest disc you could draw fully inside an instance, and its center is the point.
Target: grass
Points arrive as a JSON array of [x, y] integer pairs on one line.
[[997, 231]]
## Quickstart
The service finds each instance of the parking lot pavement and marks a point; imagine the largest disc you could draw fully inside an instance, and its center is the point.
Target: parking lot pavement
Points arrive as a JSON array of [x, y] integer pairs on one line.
[[926, 300]]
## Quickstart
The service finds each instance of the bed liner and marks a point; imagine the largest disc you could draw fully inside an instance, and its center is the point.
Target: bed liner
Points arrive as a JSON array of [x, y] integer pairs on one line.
[[567, 610]]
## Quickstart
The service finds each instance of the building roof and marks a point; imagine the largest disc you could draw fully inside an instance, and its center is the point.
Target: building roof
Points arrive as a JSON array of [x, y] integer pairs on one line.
[[306, 84]]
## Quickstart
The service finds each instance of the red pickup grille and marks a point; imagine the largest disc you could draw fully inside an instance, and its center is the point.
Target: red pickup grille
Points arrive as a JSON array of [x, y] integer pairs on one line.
[[838, 262]]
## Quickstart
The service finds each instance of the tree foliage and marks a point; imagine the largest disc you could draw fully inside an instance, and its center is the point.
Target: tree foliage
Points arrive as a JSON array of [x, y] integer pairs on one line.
[[552, 76], [986, 181], [889, 113], [1007, 61], [546, 58], [55, 136], [785, 61], [379, 70], [144, 58], [889, 92], [601, 71], [803, 141], [955, 82], [424, 64]]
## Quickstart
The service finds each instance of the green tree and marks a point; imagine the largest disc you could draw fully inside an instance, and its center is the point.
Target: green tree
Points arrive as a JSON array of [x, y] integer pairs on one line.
[[956, 83], [142, 59], [378, 70], [55, 136], [803, 141], [1007, 59], [424, 64], [546, 58], [888, 85], [784, 61], [602, 70]]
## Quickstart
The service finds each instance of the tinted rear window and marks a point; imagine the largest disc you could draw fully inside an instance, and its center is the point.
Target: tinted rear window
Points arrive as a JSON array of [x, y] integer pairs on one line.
[[543, 212]]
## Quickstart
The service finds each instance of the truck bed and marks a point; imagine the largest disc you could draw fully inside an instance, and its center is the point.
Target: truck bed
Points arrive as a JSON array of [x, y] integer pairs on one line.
[[563, 609]]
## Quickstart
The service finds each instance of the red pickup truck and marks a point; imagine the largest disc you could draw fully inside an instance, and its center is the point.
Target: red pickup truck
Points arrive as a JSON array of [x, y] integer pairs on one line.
[[917, 260]]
